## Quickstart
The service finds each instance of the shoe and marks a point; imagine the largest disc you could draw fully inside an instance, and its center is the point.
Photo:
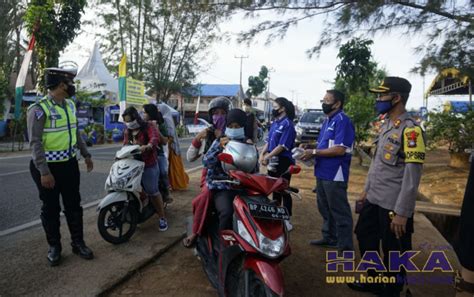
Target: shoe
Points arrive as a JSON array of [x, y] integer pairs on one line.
[[80, 248], [54, 255], [324, 242], [369, 288], [163, 224], [288, 225]]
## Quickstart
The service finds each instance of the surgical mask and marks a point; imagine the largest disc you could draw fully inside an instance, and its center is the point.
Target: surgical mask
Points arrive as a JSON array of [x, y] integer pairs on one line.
[[276, 112], [383, 106], [71, 90], [133, 125], [219, 121], [235, 133], [327, 108]]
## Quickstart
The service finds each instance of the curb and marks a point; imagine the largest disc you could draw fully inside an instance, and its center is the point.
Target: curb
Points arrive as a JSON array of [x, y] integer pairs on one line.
[[133, 271]]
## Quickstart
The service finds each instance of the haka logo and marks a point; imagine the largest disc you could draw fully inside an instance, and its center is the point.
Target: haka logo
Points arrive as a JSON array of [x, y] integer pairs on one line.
[[396, 260]]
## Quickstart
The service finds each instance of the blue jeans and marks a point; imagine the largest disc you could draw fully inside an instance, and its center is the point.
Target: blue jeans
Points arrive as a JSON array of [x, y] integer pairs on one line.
[[150, 178], [336, 212]]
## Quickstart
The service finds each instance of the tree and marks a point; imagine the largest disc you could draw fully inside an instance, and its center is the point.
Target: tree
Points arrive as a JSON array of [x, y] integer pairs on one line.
[[164, 41], [356, 73], [449, 25], [55, 24], [258, 84]]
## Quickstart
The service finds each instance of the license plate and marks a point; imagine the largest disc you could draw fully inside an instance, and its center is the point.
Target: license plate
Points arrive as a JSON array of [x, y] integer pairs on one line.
[[270, 212]]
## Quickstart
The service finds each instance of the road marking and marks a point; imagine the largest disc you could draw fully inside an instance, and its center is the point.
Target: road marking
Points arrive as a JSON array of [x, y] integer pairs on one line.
[[89, 149], [85, 206], [13, 172]]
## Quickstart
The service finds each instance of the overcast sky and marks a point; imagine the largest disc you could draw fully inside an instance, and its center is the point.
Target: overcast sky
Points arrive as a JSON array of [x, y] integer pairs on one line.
[[295, 76]]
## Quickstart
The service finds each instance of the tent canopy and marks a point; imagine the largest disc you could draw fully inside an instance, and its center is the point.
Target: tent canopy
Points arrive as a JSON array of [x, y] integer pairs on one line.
[[94, 76], [450, 81]]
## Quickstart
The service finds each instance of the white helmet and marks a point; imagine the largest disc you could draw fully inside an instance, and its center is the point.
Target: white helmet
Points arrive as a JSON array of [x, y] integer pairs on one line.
[[245, 156]]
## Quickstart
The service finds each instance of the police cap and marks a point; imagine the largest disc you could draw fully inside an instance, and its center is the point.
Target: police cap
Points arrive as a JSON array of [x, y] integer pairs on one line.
[[54, 76], [393, 84]]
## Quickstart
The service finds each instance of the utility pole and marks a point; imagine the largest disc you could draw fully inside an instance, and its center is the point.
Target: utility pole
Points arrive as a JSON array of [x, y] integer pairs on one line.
[[241, 62], [266, 112]]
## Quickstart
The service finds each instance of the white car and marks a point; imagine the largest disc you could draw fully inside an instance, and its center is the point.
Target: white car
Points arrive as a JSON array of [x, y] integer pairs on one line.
[[196, 128]]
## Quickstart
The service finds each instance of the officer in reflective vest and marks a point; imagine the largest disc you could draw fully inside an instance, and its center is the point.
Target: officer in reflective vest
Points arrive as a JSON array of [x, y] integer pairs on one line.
[[392, 183], [54, 139]]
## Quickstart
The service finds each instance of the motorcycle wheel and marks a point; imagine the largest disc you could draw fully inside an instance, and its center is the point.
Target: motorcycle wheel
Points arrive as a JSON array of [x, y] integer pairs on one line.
[[257, 287], [112, 222]]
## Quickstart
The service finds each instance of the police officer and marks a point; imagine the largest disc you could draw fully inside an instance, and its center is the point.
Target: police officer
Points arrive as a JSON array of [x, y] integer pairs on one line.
[[54, 138], [392, 183]]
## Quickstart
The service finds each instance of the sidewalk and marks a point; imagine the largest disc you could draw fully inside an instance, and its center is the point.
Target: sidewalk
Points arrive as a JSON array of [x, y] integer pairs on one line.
[[25, 271]]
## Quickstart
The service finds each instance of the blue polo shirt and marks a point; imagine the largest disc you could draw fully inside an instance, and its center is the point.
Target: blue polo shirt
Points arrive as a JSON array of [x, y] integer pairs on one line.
[[282, 132], [337, 130]]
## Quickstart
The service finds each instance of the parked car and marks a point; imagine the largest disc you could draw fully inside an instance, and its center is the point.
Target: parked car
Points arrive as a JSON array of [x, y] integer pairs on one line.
[[309, 125]]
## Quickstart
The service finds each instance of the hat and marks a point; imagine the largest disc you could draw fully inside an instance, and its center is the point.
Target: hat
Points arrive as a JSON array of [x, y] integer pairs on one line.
[[54, 76], [236, 116], [393, 84]]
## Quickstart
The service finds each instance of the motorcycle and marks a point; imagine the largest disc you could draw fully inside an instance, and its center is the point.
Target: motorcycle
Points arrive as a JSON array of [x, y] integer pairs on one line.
[[125, 205], [245, 261]]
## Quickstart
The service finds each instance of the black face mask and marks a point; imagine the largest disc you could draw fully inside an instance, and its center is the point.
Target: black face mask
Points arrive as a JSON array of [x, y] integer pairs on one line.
[[71, 90], [327, 108], [276, 112]]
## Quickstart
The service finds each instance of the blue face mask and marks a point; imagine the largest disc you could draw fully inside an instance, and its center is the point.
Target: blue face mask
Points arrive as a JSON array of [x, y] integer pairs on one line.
[[383, 106], [235, 133]]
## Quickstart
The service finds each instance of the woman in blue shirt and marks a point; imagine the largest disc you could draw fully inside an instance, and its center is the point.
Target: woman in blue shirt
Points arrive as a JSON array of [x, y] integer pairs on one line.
[[276, 153]]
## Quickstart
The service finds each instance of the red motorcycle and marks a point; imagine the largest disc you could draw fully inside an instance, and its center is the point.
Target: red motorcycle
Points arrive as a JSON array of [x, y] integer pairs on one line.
[[245, 261]]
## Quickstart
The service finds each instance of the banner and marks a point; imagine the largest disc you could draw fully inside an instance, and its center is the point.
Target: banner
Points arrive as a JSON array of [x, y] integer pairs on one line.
[[20, 81], [122, 82], [136, 92]]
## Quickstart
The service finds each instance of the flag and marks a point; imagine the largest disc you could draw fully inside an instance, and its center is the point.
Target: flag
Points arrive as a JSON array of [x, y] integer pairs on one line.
[[122, 81], [197, 110], [20, 81]]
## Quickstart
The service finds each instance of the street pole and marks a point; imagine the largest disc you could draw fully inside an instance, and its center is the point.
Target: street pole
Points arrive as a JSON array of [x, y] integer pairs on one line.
[[241, 62], [267, 96]]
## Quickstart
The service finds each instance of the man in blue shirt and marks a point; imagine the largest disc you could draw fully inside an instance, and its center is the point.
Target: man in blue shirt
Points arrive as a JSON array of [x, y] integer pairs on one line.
[[332, 161]]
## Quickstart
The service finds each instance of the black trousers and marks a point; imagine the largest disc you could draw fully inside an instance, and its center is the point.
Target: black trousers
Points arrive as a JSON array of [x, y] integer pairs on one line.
[[223, 202], [372, 228], [67, 181], [465, 244], [283, 164]]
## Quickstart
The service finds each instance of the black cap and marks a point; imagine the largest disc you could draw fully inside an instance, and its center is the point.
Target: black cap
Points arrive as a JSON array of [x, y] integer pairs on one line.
[[236, 116], [54, 76], [393, 84]]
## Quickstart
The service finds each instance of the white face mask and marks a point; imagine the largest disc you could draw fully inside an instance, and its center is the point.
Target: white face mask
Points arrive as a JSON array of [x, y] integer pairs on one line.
[[133, 125]]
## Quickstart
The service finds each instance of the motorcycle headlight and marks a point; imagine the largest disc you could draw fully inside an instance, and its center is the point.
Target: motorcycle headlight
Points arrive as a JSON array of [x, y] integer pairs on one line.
[[120, 183], [244, 233], [271, 248]]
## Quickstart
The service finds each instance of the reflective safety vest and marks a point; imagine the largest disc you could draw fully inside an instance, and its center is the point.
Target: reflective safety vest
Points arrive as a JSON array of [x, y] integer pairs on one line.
[[60, 130]]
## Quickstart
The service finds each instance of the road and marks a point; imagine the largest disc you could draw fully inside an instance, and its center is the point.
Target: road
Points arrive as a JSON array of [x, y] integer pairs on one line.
[[19, 202]]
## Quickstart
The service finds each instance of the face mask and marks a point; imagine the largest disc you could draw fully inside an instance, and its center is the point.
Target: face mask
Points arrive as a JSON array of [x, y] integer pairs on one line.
[[133, 125], [327, 108], [71, 90], [235, 133], [383, 106], [276, 112], [219, 121]]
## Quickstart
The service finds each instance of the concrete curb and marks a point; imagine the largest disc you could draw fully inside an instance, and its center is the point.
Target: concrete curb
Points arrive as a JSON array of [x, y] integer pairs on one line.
[[140, 265]]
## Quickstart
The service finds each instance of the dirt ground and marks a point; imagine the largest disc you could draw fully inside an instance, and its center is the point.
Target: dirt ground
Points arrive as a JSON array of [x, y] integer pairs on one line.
[[179, 273]]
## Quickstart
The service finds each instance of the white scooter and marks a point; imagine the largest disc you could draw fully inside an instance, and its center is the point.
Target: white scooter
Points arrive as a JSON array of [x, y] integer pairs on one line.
[[125, 204]]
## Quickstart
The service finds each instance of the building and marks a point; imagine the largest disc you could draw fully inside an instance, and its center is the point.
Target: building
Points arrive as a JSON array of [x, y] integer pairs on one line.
[[186, 101], [263, 105]]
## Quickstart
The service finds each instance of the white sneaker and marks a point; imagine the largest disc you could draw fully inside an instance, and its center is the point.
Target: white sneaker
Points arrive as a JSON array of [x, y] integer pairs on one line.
[[288, 225]]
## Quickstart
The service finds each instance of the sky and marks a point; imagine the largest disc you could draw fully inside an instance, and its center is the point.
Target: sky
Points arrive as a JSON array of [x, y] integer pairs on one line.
[[294, 76]]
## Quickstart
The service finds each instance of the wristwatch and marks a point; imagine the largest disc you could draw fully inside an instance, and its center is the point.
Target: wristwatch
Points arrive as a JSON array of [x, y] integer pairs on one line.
[[315, 152]]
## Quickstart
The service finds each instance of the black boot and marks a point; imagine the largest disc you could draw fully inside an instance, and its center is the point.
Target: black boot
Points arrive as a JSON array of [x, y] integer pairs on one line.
[[53, 236], [75, 224], [54, 255]]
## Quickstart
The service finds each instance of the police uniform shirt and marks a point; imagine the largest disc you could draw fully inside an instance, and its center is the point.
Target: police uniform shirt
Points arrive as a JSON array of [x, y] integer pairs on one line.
[[395, 172], [36, 119]]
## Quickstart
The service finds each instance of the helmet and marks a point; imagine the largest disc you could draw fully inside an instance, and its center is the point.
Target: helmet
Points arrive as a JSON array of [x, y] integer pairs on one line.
[[219, 102], [245, 156]]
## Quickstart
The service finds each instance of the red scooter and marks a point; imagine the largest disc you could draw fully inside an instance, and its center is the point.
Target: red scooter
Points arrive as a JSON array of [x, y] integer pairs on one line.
[[245, 261]]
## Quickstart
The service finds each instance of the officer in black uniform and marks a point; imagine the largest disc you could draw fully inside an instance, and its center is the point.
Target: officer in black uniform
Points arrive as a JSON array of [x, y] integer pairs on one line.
[[54, 138]]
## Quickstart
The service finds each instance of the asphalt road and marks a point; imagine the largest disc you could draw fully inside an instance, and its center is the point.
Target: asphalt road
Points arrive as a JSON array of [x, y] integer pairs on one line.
[[19, 201]]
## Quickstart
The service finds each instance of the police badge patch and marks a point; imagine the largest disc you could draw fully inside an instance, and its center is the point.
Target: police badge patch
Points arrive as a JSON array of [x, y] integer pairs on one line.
[[39, 113]]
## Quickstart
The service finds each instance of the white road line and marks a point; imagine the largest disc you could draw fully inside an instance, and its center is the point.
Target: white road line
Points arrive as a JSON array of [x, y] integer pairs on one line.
[[85, 206], [89, 149], [13, 172]]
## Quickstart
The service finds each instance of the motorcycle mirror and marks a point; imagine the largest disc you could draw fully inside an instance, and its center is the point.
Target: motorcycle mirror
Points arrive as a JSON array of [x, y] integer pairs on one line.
[[294, 169], [226, 158]]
